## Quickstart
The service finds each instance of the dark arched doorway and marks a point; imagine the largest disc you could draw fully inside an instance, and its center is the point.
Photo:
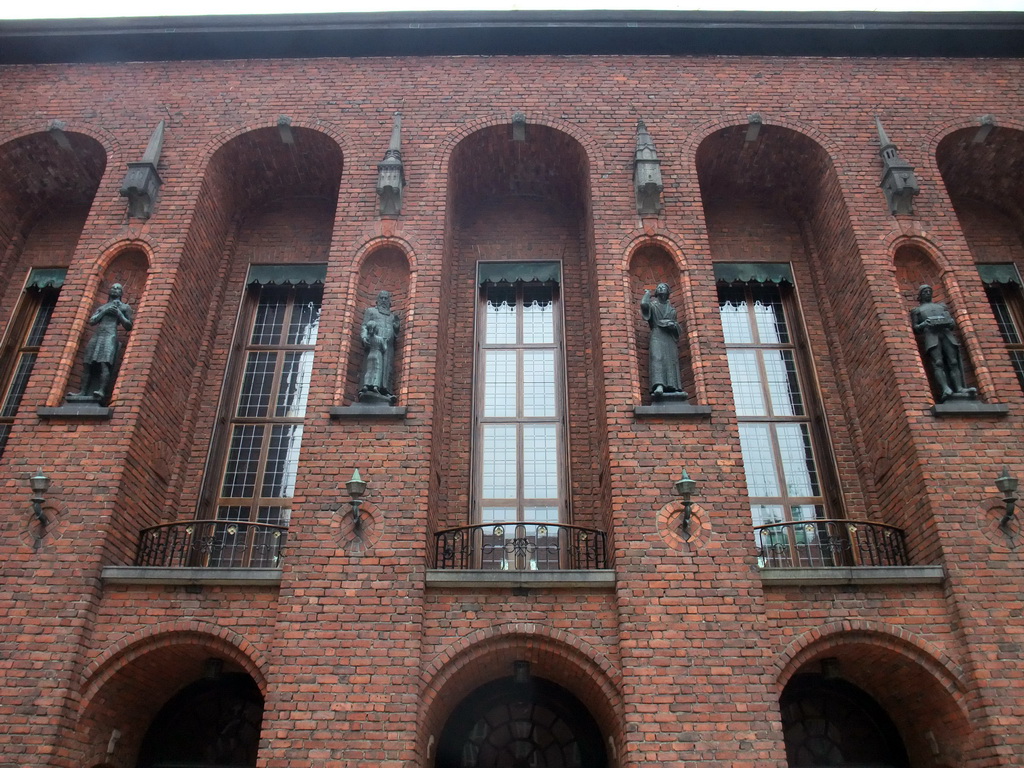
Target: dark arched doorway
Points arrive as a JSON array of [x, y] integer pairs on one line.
[[828, 722], [529, 724], [212, 722]]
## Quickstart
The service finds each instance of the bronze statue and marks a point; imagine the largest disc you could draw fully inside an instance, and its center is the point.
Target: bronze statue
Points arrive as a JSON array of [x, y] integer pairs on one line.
[[937, 330], [380, 328], [101, 351], [664, 344]]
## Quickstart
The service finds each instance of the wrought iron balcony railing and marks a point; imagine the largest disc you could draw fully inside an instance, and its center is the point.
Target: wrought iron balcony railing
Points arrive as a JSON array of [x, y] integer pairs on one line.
[[829, 543], [521, 546], [211, 544]]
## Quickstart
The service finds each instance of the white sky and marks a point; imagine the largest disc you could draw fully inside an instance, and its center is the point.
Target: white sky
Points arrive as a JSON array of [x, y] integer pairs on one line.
[[53, 9]]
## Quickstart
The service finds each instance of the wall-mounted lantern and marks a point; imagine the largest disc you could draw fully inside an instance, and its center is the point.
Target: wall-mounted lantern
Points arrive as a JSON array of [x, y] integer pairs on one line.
[[40, 484], [1007, 485], [356, 487], [685, 488]]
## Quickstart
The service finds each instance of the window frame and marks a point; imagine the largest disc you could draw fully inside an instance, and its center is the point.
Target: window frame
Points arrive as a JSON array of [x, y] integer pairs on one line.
[[14, 347], [211, 499], [523, 527], [830, 497], [1008, 296]]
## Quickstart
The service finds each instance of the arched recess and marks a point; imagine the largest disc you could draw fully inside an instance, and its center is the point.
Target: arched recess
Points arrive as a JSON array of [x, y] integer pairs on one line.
[[261, 201], [828, 721], [129, 269], [518, 201], [137, 690], [922, 700], [990, 174], [385, 268], [47, 187], [46, 190], [985, 182], [651, 264], [778, 200], [492, 669], [915, 267]]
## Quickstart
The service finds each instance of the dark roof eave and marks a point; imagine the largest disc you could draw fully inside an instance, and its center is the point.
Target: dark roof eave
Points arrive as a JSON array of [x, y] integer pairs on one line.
[[448, 33]]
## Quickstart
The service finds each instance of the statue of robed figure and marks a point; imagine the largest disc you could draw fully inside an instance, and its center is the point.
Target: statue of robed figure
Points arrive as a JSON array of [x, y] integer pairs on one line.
[[378, 334], [664, 379], [936, 329], [101, 352]]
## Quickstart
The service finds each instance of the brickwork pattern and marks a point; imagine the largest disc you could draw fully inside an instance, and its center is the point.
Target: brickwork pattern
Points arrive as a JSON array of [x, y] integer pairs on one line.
[[683, 663]]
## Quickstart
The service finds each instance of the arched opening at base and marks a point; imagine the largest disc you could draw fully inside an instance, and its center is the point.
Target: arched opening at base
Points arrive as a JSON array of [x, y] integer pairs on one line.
[[521, 722], [828, 722], [212, 722]]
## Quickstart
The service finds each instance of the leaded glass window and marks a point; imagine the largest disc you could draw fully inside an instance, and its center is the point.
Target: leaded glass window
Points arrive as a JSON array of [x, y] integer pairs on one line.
[[25, 339], [520, 467], [1007, 306], [268, 406], [776, 428]]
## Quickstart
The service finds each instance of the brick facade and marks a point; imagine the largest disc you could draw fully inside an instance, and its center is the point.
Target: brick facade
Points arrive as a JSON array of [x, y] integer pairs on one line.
[[360, 649]]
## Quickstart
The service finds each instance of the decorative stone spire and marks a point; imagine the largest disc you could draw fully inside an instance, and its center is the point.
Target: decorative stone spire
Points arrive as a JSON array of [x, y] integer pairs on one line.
[[898, 180], [142, 181], [391, 173], [646, 173]]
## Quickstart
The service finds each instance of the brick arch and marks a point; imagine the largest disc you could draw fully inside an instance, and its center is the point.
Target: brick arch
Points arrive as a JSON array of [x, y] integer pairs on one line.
[[125, 687], [106, 139], [918, 686], [207, 152], [697, 136], [953, 125], [814, 642], [915, 236], [37, 178], [380, 241], [137, 644], [592, 149], [664, 239], [487, 655]]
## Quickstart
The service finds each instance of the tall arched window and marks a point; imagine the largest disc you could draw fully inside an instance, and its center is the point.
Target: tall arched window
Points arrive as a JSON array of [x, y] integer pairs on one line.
[[520, 436], [23, 340], [781, 435], [257, 449]]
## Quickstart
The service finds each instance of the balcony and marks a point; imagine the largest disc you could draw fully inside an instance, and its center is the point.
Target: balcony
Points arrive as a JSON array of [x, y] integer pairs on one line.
[[829, 543], [211, 544], [518, 546], [832, 551]]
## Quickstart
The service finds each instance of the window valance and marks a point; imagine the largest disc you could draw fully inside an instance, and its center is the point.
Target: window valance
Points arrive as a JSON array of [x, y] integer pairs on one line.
[[753, 272], [286, 274], [46, 278], [491, 272], [999, 274]]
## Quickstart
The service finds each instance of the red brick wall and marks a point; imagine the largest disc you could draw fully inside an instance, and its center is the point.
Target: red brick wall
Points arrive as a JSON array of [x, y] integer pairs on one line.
[[684, 660]]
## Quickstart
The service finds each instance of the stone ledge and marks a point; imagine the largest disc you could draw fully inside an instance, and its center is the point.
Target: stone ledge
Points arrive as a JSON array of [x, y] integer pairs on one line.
[[242, 577], [479, 579], [860, 575], [969, 408], [359, 411], [672, 409], [76, 411]]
